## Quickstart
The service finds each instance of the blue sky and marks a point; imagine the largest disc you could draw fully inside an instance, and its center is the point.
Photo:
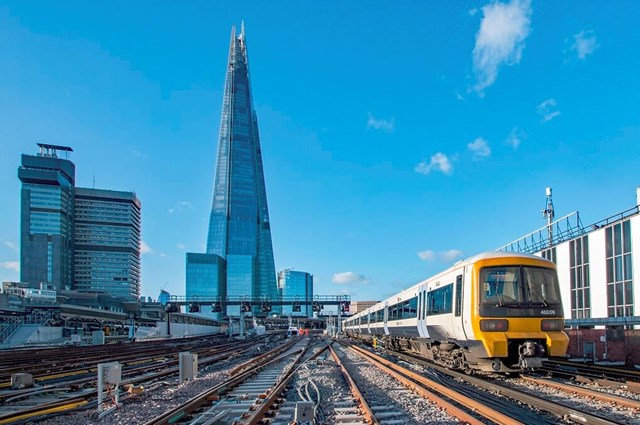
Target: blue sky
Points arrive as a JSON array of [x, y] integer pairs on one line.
[[398, 137]]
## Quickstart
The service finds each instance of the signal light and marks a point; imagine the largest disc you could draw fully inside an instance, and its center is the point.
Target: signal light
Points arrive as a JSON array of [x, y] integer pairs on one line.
[[216, 307], [171, 308], [266, 307], [296, 306], [194, 308], [246, 307], [316, 306]]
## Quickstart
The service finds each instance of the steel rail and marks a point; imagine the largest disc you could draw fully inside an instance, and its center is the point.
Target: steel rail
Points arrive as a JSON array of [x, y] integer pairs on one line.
[[558, 409], [365, 408], [206, 396], [620, 401], [258, 415], [44, 409], [419, 382]]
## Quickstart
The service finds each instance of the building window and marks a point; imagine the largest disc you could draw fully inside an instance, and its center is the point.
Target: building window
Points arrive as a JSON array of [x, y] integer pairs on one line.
[[619, 269], [580, 293], [550, 254]]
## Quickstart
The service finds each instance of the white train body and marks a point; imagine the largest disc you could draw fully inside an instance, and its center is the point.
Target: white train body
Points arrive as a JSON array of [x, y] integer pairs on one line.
[[495, 312]]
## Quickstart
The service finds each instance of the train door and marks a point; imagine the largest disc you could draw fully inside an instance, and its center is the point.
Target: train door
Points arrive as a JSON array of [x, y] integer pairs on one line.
[[458, 305], [386, 317], [422, 305], [369, 322], [466, 315]]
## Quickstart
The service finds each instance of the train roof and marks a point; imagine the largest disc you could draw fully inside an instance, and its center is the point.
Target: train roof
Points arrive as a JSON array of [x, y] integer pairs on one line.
[[462, 263]]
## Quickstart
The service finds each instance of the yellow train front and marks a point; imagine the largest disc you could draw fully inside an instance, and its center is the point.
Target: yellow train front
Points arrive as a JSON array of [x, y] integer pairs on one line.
[[495, 312], [516, 315]]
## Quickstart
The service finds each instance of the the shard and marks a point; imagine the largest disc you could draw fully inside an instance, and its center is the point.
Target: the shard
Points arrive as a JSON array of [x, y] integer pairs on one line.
[[239, 229]]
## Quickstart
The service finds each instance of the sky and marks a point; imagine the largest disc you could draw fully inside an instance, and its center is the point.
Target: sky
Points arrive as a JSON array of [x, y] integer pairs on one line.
[[397, 136]]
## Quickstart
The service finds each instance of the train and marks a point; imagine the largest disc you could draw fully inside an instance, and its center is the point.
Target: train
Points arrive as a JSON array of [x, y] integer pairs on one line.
[[494, 312]]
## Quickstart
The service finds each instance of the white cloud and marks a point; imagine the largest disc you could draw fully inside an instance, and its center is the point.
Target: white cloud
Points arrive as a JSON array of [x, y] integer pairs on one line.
[[144, 248], [547, 110], [584, 44], [500, 40], [10, 245], [163, 255], [473, 12], [11, 265], [480, 149], [381, 124], [427, 255], [438, 162], [515, 138], [444, 256], [181, 246], [450, 255], [179, 206], [349, 277]]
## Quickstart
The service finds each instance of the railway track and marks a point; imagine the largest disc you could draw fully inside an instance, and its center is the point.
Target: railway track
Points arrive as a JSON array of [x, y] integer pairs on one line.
[[58, 363], [246, 396], [604, 376], [560, 406], [53, 399]]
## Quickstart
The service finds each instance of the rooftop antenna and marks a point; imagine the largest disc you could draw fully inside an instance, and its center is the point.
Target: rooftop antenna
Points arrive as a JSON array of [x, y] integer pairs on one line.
[[94, 179], [549, 214]]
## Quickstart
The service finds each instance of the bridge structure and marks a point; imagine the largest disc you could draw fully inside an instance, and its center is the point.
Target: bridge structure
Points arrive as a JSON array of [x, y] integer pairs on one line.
[[195, 303]]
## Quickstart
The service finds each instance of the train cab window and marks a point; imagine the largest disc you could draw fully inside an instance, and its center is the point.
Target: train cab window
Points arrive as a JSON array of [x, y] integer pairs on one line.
[[518, 284]]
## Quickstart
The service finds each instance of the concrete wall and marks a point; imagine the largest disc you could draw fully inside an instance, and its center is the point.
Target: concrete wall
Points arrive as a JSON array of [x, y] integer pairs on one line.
[[180, 330]]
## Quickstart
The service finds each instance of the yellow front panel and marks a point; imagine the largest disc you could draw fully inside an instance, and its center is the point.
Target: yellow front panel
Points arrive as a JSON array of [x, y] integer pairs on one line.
[[495, 343]]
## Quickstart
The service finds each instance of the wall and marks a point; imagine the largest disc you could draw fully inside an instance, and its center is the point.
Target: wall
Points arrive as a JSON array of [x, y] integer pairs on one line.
[[621, 345]]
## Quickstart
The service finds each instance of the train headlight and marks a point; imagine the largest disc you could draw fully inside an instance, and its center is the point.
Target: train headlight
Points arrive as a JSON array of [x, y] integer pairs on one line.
[[494, 325], [552, 324]]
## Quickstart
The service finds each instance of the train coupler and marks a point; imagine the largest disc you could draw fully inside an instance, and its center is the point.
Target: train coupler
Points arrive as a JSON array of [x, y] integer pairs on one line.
[[530, 355]]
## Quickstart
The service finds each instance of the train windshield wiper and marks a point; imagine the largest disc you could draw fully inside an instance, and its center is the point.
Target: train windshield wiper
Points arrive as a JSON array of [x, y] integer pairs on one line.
[[501, 303], [533, 293]]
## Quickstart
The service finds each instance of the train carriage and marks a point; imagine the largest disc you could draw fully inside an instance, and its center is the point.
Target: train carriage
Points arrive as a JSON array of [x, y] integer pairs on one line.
[[495, 312]]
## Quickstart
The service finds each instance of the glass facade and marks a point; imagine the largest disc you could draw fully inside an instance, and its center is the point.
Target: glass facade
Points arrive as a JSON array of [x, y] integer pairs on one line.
[[239, 227], [579, 276], [107, 242], [206, 274], [619, 269], [46, 240], [298, 286]]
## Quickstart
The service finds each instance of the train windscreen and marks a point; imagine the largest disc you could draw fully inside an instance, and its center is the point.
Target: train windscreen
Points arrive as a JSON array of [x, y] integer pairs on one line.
[[513, 286]]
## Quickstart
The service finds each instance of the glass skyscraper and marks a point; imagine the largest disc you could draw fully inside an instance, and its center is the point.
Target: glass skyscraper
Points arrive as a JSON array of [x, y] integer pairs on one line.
[[46, 234], [239, 229]]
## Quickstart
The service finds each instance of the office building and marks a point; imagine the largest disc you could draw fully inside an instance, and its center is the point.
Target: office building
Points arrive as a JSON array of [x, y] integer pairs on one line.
[[46, 221], [296, 286], [358, 306], [598, 267], [76, 238], [239, 228], [107, 242]]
